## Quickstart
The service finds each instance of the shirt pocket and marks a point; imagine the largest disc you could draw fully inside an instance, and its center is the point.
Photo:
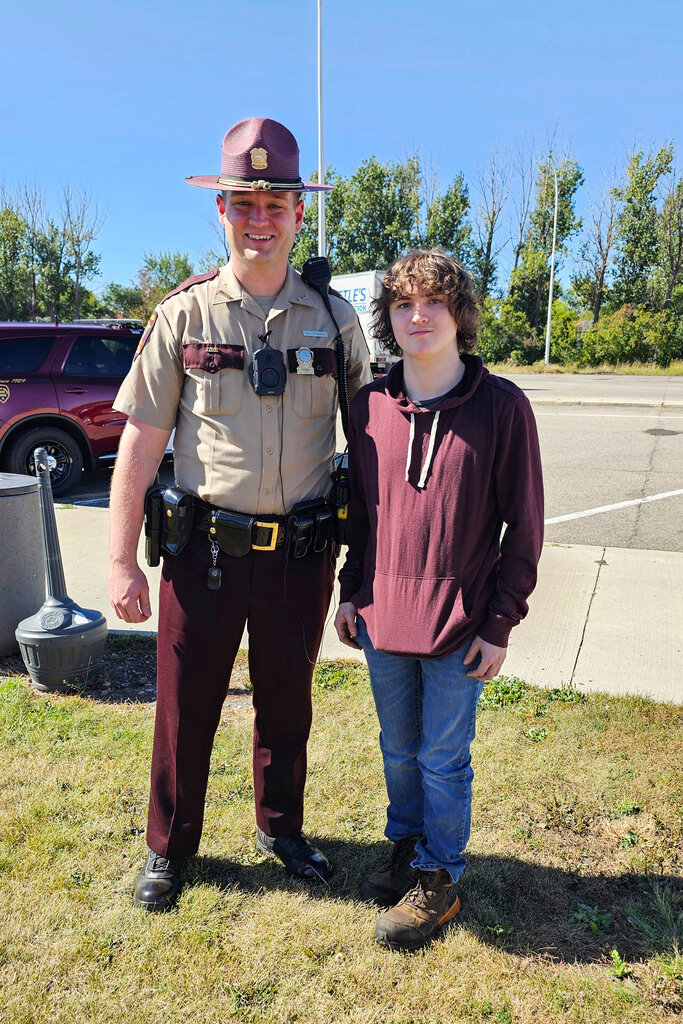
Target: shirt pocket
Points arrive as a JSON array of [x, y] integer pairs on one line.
[[217, 372], [314, 394]]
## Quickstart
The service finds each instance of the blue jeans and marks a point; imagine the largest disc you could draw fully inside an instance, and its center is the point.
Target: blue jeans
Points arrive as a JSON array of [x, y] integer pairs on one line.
[[427, 712]]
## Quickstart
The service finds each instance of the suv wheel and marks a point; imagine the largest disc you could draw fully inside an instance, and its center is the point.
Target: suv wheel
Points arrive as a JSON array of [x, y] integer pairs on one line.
[[64, 456]]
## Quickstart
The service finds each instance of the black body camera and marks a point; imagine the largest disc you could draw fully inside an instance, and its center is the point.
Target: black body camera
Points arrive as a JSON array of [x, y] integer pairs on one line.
[[267, 372]]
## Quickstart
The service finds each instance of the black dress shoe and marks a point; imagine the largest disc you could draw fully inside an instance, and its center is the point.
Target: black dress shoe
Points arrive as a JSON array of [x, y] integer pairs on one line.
[[159, 883], [300, 858]]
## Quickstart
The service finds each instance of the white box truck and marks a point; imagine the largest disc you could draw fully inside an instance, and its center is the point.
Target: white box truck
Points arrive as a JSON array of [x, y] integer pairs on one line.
[[359, 289]]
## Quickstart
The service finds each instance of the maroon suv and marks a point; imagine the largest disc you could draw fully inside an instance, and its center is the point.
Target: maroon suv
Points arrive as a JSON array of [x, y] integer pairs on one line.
[[57, 386]]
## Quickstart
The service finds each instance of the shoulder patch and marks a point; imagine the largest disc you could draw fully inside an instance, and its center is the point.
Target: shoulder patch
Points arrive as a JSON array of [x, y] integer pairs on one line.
[[191, 281], [148, 330]]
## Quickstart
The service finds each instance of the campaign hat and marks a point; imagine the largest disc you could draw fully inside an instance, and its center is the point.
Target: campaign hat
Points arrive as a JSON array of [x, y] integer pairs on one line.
[[258, 154]]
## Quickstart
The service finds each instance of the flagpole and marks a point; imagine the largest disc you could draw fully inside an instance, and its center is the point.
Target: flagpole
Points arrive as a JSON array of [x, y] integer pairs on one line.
[[321, 161]]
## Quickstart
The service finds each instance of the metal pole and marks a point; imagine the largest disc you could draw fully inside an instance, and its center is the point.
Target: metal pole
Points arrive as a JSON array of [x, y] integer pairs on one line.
[[552, 272], [321, 160]]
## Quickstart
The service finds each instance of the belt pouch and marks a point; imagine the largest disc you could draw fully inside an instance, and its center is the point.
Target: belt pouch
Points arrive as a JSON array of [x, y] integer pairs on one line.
[[301, 533], [340, 496], [178, 512], [233, 532], [153, 520], [323, 529]]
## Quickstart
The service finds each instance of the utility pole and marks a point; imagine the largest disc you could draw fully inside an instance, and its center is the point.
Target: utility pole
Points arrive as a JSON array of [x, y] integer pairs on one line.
[[552, 269], [322, 247]]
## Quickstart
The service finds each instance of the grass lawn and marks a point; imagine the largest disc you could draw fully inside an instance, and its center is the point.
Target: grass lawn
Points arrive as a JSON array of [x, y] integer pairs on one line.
[[572, 899], [674, 369]]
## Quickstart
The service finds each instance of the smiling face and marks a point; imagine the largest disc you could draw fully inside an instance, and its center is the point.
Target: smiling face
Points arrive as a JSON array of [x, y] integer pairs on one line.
[[260, 228], [423, 325]]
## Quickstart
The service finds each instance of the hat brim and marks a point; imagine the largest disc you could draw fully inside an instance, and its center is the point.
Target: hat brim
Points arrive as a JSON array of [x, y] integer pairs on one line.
[[213, 181]]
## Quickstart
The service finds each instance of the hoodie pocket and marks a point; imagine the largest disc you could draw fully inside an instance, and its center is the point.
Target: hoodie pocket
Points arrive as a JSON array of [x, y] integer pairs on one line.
[[417, 615], [217, 373]]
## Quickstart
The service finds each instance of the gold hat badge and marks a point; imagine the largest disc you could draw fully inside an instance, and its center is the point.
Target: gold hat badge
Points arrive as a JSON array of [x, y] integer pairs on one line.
[[259, 159]]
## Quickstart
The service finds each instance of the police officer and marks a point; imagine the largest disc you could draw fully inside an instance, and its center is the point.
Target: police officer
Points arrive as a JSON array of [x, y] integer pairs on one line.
[[241, 363]]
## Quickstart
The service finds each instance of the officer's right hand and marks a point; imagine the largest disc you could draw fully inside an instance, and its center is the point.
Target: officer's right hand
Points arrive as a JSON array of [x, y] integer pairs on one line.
[[345, 624], [129, 593]]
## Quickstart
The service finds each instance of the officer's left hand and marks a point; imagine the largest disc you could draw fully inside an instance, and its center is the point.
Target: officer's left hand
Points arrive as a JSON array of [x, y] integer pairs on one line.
[[492, 659]]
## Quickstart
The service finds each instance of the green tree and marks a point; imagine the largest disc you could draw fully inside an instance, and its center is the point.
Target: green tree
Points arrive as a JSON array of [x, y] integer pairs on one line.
[[670, 240], [638, 241], [530, 280], [31, 204], [121, 300], [81, 225], [13, 271], [596, 254], [372, 215], [55, 287], [160, 273], [504, 331], [447, 225], [493, 182]]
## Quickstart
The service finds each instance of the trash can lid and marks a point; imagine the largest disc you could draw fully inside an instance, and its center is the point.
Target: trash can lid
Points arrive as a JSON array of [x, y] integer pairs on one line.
[[17, 483]]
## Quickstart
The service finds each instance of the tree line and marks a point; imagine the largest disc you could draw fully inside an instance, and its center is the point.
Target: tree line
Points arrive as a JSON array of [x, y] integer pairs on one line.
[[623, 303]]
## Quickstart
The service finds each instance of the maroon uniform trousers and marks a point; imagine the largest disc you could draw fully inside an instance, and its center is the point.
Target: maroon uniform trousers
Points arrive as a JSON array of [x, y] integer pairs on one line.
[[284, 602]]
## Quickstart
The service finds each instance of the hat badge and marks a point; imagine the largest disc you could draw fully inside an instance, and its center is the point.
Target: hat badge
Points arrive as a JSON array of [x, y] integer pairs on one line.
[[259, 159]]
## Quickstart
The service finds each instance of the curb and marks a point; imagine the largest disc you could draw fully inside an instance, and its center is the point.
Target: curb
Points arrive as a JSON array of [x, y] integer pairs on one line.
[[639, 403]]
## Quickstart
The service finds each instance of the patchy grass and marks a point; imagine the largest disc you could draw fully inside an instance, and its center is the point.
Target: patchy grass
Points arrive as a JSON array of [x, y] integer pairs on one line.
[[674, 369], [572, 900]]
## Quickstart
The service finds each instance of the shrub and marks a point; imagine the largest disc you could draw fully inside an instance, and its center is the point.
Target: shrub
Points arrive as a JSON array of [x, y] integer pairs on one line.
[[503, 329], [630, 335]]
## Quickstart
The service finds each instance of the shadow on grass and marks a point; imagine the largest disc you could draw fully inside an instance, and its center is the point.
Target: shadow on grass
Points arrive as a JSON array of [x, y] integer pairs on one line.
[[523, 908]]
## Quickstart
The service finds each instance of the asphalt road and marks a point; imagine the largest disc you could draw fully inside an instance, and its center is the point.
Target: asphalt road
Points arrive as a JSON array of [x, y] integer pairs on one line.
[[593, 455]]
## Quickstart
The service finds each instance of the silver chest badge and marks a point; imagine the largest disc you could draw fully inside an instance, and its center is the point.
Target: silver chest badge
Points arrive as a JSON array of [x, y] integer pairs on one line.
[[304, 360]]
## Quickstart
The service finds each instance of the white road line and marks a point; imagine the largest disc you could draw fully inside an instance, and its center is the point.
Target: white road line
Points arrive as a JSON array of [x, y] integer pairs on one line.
[[611, 508], [612, 415]]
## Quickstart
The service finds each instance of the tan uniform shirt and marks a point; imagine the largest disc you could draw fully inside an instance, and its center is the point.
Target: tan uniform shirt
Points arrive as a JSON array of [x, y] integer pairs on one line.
[[232, 447]]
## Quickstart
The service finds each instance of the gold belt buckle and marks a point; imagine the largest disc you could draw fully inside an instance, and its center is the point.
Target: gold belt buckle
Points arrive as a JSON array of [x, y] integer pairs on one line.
[[273, 541]]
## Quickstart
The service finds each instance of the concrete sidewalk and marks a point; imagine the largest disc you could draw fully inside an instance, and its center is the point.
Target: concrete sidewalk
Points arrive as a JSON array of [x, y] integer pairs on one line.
[[607, 619], [601, 389]]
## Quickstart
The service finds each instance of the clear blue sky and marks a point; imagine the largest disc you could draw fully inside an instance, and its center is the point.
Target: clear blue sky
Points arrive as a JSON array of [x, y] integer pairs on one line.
[[126, 99]]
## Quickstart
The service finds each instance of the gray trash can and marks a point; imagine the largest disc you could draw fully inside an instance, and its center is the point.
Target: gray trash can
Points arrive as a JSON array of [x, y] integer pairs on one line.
[[22, 562]]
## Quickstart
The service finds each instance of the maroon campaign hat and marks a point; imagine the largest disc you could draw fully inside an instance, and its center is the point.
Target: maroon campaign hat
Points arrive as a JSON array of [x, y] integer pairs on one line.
[[258, 154]]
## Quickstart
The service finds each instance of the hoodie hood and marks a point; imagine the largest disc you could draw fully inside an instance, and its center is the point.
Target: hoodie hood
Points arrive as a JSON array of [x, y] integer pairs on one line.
[[475, 371], [395, 391]]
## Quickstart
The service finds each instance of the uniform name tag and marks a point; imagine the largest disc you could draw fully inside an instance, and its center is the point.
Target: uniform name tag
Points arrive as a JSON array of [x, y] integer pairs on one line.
[[315, 334]]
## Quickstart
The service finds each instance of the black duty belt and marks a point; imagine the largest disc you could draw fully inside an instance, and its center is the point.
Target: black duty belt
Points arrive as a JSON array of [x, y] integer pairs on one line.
[[172, 514]]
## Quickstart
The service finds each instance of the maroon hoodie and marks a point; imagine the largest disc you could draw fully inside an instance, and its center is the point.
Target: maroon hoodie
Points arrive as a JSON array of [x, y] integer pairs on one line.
[[430, 492]]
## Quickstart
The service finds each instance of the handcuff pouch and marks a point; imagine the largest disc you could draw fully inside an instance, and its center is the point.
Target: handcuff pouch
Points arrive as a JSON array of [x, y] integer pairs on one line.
[[322, 534], [177, 516], [301, 528], [233, 532]]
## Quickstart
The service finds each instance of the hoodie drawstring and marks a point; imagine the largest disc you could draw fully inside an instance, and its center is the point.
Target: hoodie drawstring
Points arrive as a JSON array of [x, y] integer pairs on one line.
[[430, 450]]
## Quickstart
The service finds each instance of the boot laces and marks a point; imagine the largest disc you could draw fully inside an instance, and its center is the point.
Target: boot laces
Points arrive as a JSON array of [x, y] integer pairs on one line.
[[160, 863], [419, 895]]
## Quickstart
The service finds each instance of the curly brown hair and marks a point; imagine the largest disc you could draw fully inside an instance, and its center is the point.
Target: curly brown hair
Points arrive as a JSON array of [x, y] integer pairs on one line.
[[431, 272]]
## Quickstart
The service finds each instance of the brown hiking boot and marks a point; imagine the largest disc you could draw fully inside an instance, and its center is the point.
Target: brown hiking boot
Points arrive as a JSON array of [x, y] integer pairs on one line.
[[417, 918], [393, 879]]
